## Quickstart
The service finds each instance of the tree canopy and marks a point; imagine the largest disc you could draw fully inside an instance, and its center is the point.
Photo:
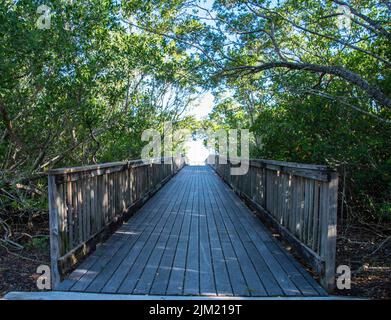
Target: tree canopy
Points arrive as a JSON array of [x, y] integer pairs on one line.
[[310, 79]]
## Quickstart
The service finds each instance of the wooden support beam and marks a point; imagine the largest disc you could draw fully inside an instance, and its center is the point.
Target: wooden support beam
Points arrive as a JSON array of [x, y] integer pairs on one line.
[[329, 232], [54, 205]]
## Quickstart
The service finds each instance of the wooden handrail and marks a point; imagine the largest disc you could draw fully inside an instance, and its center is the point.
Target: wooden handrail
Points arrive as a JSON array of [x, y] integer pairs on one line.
[[299, 200], [88, 203], [107, 166]]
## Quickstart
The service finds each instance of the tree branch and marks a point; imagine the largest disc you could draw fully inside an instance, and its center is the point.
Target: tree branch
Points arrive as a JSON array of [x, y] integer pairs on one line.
[[374, 24], [8, 124], [373, 91]]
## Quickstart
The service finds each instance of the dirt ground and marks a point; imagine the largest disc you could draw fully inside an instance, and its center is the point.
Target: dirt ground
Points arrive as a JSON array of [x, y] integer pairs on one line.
[[367, 251], [18, 266], [18, 272]]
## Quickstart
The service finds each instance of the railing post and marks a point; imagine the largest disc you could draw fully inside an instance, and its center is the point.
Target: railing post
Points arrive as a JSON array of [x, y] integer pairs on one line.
[[54, 205], [329, 202], [265, 189]]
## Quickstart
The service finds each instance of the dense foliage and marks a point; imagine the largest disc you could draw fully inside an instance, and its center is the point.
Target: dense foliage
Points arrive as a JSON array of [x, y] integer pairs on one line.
[[81, 89], [305, 87], [311, 86]]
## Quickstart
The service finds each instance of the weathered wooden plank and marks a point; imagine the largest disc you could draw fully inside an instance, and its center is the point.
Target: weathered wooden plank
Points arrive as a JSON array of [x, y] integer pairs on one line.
[[283, 279], [146, 249], [162, 277], [207, 279], [89, 276], [192, 276], [316, 226], [297, 278], [238, 282], [312, 258], [122, 165], [223, 283], [145, 281], [305, 274], [77, 231], [71, 279], [70, 216], [258, 238], [288, 164], [133, 231], [80, 210], [270, 283], [161, 201], [149, 268], [253, 285], [160, 283], [176, 282]]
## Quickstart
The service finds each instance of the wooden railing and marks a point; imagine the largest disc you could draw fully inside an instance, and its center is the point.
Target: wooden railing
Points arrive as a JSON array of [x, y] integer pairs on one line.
[[299, 200], [88, 203]]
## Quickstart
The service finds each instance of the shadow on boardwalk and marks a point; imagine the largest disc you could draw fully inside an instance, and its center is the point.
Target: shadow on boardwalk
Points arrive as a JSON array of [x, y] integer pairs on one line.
[[194, 237]]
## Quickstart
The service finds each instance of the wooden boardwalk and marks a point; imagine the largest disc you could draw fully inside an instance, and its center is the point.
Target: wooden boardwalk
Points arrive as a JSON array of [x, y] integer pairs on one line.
[[194, 237]]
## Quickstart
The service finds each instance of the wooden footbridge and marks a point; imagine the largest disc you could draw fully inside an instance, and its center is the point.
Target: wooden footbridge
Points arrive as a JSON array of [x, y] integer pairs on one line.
[[167, 229]]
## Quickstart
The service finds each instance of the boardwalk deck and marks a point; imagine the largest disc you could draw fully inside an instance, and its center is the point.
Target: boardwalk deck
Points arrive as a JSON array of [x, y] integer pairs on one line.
[[195, 237]]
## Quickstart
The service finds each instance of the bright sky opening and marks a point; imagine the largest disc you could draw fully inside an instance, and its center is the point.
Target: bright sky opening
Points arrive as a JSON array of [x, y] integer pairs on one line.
[[197, 152]]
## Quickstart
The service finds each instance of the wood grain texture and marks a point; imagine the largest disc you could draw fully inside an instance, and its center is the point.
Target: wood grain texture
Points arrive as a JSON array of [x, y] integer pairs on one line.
[[299, 200], [194, 237], [86, 202]]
